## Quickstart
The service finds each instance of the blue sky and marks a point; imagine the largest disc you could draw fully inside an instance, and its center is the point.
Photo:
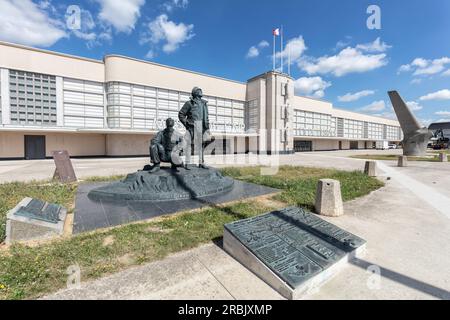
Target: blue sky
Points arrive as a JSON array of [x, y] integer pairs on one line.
[[335, 55]]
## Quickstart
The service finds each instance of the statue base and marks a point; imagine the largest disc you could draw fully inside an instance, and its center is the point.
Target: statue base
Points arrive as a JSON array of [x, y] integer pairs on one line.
[[165, 184]]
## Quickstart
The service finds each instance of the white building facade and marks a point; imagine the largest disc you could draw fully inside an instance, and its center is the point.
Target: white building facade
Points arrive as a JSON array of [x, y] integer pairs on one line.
[[51, 101]]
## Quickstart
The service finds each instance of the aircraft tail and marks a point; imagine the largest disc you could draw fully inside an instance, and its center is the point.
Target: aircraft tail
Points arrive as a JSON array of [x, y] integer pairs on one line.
[[407, 120]]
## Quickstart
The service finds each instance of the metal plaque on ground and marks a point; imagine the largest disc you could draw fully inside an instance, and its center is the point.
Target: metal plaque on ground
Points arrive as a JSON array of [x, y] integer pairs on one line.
[[40, 210], [34, 219], [64, 170], [293, 250]]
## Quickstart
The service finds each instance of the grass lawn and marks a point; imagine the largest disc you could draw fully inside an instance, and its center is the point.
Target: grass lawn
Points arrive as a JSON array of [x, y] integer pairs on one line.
[[447, 151], [31, 271], [432, 158]]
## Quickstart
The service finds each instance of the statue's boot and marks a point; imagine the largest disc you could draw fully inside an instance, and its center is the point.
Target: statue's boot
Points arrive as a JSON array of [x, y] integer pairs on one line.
[[155, 168], [202, 166]]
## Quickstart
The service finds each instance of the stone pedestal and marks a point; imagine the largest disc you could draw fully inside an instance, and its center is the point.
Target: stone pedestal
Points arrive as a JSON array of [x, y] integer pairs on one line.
[[443, 157], [370, 168], [165, 185], [328, 198], [403, 161]]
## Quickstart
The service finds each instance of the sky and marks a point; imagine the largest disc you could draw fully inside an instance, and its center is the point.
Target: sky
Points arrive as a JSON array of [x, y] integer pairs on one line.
[[347, 52]]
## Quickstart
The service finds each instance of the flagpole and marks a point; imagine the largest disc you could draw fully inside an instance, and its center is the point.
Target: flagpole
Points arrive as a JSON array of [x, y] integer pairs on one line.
[[274, 51], [281, 53], [289, 58]]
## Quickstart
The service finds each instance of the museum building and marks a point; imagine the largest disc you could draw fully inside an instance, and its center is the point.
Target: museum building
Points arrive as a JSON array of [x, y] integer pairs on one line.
[[113, 107]]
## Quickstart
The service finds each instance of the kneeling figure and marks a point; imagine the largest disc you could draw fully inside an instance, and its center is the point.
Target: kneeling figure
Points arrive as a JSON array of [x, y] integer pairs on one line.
[[164, 147]]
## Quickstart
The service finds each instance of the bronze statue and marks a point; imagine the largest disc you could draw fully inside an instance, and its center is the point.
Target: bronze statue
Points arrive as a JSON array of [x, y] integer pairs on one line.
[[194, 116], [164, 147]]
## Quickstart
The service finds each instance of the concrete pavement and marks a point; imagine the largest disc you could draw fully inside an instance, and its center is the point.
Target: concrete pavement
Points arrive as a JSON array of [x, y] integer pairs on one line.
[[27, 170], [408, 243]]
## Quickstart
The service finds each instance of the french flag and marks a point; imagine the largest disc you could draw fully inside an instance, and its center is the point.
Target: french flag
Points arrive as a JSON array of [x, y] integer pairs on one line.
[[276, 32]]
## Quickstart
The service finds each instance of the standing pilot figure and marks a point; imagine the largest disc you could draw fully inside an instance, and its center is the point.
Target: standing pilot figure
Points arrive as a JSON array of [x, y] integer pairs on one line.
[[194, 116]]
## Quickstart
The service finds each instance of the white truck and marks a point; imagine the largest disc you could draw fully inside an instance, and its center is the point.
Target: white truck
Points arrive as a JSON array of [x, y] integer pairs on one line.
[[382, 145]]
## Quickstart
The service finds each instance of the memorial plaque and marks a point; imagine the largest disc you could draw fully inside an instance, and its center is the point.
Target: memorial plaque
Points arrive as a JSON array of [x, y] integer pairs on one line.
[[40, 210], [33, 219], [64, 170], [292, 243]]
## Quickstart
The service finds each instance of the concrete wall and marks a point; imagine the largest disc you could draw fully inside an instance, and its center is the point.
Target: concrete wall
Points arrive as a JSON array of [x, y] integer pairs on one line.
[[318, 145], [127, 145], [345, 145], [311, 105], [19, 57], [78, 145], [12, 144]]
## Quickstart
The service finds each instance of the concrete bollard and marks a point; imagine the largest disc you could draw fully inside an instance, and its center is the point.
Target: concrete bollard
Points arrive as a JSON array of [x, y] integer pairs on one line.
[[443, 157], [371, 168], [403, 161], [328, 198]]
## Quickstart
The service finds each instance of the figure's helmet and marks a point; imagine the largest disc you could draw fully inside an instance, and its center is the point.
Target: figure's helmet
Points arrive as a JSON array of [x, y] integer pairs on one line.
[[197, 92], [170, 123]]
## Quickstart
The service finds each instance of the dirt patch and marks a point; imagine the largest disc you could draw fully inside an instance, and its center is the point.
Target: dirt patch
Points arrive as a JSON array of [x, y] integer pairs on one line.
[[109, 240], [126, 259], [157, 229]]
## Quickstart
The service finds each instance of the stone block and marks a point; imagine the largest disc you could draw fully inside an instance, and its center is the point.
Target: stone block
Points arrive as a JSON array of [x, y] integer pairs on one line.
[[443, 157], [403, 161], [24, 227], [370, 168], [328, 198]]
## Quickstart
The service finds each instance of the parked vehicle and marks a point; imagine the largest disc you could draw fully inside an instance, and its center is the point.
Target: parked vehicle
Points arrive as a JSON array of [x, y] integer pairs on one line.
[[392, 146]]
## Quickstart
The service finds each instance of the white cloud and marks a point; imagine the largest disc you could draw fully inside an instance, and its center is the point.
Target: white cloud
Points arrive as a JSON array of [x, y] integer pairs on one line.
[[253, 52], [376, 46], [443, 113], [438, 95], [173, 35], [26, 23], [375, 106], [442, 120], [295, 47], [424, 67], [122, 15], [312, 86], [349, 60], [416, 81], [263, 44], [343, 43], [414, 106], [446, 73], [150, 55], [349, 97]]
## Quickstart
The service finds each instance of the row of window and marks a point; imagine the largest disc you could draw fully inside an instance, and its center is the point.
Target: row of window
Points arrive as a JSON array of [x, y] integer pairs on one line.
[[83, 104], [324, 125], [135, 106], [32, 98]]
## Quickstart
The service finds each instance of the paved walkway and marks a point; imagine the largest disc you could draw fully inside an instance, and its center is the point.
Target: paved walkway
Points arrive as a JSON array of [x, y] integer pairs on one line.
[[408, 241], [27, 170]]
